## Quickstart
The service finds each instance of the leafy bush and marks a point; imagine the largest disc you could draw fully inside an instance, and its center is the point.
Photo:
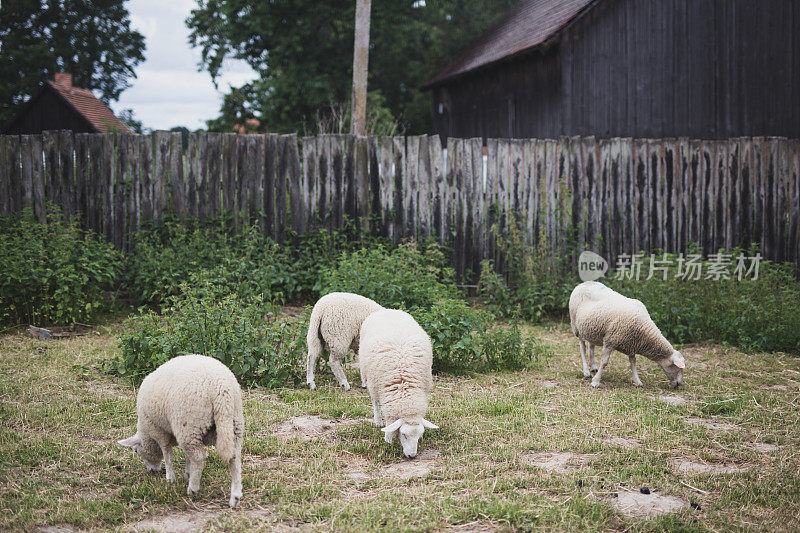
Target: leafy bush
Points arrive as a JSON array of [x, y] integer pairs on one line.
[[756, 315], [465, 339], [404, 277], [539, 284], [259, 348], [244, 263], [52, 273]]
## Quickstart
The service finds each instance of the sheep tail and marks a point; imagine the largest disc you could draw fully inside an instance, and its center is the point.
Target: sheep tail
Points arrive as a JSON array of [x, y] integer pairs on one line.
[[314, 337], [229, 426]]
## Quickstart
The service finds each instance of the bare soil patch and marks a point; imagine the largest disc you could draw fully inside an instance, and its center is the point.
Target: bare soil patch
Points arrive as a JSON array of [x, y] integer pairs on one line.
[[636, 504], [711, 424], [763, 447], [558, 462], [694, 467], [420, 466], [310, 427], [622, 442], [62, 528], [672, 399], [548, 384], [176, 522]]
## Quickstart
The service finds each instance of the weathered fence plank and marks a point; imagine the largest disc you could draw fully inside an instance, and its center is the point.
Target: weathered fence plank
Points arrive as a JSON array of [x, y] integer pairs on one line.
[[229, 154], [424, 180], [177, 188], [52, 167], [374, 186], [387, 186], [202, 177], [410, 190], [399, 165], [37, 177], [192, 173], [132, 185], [269, 185], [161, 176], [213, 154], [310, 178], [82, 165], [362, 184]]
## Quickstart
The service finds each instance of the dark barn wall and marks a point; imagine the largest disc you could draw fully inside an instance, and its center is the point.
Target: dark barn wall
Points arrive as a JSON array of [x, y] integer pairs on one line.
[[709, 69], [47, 112]]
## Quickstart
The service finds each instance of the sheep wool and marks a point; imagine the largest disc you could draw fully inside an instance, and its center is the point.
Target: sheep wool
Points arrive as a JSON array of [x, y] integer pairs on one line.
[[603, 317], [396, 357], [190, 401], [335, 323]]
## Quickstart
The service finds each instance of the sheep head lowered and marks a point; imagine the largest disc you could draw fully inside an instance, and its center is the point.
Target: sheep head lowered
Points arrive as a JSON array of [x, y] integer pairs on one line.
[[147, 449], [673, 367], [409, 434]]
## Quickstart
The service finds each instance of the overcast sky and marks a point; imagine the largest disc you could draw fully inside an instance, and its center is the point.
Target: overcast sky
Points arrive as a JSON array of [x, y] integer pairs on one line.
[[169, 91]]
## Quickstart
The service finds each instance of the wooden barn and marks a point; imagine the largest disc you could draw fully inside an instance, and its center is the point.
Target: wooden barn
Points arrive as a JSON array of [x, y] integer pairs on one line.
[[60, 106], [708, 69]]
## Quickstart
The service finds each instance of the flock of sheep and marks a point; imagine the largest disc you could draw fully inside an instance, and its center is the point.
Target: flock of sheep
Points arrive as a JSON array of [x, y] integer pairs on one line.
[[194, 401]]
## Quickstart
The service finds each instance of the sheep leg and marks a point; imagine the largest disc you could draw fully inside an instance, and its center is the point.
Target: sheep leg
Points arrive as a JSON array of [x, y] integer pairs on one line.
[[314, 351], [376, 414], [235, 468], [586, 372], [591, 358], [603, 362], [636, 380], [166, 451], [187, 469], [335, 361], [195, 460]]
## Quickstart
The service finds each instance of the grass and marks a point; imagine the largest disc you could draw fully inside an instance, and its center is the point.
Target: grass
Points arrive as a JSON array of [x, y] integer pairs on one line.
[[60, 465]]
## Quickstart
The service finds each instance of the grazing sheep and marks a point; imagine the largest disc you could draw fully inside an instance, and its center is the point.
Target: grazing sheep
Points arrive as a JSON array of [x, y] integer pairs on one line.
[[335, 321], [190, 401], [396, 358], [603, 317]]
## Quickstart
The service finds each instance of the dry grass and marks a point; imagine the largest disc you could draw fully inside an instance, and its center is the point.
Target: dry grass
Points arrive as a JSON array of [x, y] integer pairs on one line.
[[60, 466]]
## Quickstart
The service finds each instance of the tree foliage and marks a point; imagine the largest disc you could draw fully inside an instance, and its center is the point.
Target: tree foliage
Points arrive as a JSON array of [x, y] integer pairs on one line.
[[303, 50], [92, 39]]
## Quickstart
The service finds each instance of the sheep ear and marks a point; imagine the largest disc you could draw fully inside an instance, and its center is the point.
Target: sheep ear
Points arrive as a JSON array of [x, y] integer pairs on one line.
[[394, 426], [678, 360], [429, 425], [130, 442]]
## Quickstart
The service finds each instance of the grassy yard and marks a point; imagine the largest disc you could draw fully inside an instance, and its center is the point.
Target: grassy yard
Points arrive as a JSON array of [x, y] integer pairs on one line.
[[537, 449]]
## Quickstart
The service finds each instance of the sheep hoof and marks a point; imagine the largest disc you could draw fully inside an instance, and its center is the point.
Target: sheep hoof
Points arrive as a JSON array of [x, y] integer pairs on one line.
[[192, 492], [638, 383], [312, 385], [186, 476], [171, 478], [346, 386], [234, 501], [595, 384], [587, 375]]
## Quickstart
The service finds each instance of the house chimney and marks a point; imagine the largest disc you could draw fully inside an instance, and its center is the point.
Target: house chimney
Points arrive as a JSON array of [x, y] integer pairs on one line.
[[64, 79]]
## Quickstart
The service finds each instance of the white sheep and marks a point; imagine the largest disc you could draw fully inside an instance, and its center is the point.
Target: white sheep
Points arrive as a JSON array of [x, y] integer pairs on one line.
[[334, 324], [190, 401], [603, 317], [395, 359]]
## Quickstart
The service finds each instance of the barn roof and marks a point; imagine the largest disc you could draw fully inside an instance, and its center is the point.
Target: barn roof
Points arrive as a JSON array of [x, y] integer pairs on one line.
[[91, 108], [528, 25]]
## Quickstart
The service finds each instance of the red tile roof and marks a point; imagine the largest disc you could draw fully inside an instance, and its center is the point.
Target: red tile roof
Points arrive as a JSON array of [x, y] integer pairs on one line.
[[92, 109], [531, 23]]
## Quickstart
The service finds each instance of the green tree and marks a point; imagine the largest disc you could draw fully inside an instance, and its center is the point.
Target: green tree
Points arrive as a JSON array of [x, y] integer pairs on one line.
[[92, 39], [303, 49]]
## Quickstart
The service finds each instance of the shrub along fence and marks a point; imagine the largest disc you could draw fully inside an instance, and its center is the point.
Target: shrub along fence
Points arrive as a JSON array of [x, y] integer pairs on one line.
[[610, 195]]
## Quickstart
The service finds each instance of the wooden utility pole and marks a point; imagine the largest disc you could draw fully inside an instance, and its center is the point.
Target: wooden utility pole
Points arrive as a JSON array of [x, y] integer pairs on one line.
[[358, 107]]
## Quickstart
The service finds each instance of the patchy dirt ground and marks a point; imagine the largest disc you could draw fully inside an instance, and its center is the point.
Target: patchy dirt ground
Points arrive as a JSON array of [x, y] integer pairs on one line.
[[532, 450]]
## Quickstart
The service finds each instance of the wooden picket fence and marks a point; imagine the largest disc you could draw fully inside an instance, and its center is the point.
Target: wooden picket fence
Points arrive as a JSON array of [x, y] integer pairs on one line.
[[612, 196]]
